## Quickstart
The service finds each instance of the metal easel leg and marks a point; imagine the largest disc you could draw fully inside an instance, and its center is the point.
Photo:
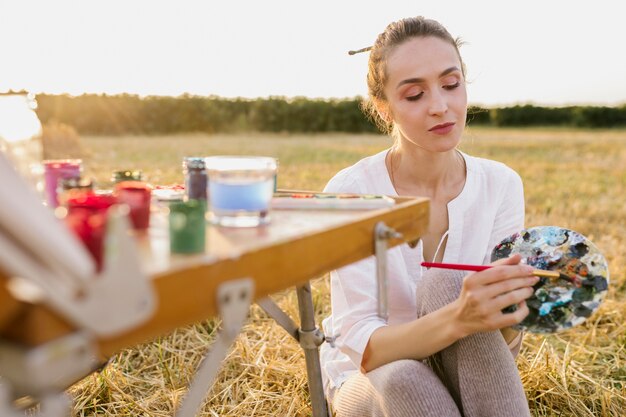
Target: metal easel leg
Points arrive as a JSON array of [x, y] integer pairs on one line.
[[233, 300], [42, 372], [52, 405], [310, 339], [382, 233], [309, 335], [271, 308]]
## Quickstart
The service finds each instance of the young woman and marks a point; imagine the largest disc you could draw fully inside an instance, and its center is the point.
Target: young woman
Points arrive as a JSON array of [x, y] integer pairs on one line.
[[446, 349]]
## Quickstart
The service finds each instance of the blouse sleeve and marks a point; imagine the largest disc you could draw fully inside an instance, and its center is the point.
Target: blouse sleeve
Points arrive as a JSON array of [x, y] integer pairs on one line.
[[354, 315], [509, 218]]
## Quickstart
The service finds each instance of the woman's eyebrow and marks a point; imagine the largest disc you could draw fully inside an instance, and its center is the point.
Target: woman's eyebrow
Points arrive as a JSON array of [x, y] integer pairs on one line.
[[421, 80]]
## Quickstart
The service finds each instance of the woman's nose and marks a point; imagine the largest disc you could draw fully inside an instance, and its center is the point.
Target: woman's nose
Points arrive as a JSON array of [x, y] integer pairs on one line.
[[437, 104]]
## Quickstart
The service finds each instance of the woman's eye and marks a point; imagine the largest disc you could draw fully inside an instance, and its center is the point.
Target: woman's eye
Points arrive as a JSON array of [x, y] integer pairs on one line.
[[452, 86], [415, 97]]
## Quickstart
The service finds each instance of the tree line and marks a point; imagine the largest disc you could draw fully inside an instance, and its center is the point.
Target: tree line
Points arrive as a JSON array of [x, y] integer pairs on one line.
[[131, 114]]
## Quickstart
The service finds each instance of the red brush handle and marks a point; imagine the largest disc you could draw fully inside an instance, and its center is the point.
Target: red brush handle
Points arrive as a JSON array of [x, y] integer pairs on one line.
[[461, 267]]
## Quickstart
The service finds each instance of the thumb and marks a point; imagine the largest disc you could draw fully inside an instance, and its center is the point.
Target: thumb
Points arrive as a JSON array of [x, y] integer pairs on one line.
[[511, 260]]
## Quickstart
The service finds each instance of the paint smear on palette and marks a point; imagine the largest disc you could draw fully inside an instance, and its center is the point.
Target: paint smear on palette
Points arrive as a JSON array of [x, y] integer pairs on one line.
[[561, 303]]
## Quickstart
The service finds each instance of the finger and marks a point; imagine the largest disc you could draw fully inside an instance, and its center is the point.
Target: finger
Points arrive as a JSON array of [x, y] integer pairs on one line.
[[499, 273], [521, 312], [502, 287], [510, 298], [511, 319], [511, 260]]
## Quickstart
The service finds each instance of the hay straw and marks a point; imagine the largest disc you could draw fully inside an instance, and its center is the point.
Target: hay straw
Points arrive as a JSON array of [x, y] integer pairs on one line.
[[580, 372]]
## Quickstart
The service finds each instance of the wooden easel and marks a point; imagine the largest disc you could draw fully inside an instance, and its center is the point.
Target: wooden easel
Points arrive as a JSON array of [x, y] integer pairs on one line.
[[297, 246]]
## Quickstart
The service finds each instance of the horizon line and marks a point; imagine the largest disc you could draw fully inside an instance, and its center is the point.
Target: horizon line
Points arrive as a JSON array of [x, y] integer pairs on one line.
[[312, 98]]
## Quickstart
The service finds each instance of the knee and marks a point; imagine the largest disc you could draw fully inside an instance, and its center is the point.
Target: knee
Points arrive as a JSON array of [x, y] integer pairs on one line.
[[402, 376], [410, 388]]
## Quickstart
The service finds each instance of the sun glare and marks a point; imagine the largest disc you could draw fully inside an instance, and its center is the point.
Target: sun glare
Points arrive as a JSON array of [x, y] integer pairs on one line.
[[18, 121], [20, 131]]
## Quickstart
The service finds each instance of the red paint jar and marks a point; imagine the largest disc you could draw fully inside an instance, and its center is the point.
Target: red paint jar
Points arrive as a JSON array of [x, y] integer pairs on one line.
[[87, 217], [137, 195]]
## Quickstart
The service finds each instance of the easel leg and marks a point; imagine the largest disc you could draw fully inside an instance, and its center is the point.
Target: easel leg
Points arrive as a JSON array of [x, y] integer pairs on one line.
[[233, 298], [310, 339]]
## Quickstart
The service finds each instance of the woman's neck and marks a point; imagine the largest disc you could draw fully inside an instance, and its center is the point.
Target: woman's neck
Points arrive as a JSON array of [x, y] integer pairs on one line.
[[416, 171]]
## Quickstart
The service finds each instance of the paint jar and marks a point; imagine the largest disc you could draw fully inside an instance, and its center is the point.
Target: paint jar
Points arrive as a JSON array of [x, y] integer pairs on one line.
[[240, 190], [54, 171], [137, 195], [194, 170], [76, 183], [69, 186], [187, 227], [87, 218], [127, 175]]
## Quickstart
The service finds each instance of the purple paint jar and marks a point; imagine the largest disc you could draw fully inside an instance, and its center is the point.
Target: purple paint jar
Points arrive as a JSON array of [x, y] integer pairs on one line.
[[55, 170], [194, 169]]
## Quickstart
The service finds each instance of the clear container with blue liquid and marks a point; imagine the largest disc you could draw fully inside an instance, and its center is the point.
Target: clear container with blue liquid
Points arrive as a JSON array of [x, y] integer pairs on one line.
[[240, 189]]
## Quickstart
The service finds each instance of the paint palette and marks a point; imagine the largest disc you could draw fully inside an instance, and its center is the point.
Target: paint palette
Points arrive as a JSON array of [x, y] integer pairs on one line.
[[558, 303]]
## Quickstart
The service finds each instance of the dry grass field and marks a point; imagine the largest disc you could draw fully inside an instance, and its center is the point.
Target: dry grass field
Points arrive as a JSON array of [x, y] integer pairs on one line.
[[573, 178]]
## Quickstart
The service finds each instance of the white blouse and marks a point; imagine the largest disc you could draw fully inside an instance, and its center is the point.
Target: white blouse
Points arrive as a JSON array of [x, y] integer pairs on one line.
[[489, 208]]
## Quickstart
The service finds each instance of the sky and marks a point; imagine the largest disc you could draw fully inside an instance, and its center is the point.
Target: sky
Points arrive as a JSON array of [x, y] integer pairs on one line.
[[548, 52]]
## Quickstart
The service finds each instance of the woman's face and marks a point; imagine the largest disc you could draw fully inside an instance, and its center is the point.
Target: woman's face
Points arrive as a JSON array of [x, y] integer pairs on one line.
[[426, 94]]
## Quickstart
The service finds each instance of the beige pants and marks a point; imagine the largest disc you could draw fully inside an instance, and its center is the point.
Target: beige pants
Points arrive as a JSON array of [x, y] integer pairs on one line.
[[474, 377]]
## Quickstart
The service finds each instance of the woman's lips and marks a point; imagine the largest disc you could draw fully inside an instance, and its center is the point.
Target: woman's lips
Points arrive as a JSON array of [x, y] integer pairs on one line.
[[442, 129]]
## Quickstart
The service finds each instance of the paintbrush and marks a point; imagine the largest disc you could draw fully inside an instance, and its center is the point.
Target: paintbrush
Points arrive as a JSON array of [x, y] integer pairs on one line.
[[463, 267]]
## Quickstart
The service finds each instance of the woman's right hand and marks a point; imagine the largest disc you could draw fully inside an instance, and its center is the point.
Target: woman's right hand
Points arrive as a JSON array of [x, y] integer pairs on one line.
[[484, 294]]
